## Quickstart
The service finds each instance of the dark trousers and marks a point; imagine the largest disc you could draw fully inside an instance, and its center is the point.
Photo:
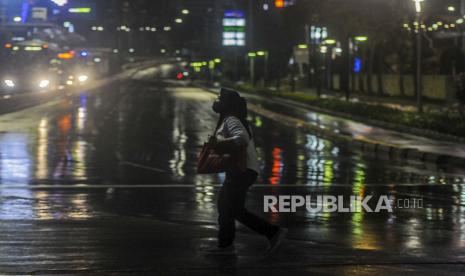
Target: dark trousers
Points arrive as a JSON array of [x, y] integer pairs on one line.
[[231, 203]]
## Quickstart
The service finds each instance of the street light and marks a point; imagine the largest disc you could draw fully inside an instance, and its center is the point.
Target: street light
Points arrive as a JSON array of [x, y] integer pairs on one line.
[[418, 82], [264, 54], [329, 41], [361, 38], [418, 5]]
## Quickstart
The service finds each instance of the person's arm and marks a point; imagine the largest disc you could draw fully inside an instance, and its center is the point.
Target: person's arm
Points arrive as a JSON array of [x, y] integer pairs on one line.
[[239, 136]]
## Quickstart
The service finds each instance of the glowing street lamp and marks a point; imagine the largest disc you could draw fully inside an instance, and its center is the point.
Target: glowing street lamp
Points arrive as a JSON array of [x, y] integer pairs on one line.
[[418, 88], [361, 38], [330, 41], [251, 54], [418, 5], [185, 11]]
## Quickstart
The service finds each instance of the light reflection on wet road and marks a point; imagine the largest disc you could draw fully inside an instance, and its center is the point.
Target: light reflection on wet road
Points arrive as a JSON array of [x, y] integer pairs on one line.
[[143, 132]]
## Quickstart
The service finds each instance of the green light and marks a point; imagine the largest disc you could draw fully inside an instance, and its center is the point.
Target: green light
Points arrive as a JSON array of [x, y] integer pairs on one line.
[[79, 10], [261, 53], [330, 41], [217, 60], [361, 38], [302, 46], [252, 54]]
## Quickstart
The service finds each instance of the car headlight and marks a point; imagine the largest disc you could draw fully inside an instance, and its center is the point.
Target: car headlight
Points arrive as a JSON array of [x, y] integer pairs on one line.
[[44, 83], [83, 78], [9, 83]]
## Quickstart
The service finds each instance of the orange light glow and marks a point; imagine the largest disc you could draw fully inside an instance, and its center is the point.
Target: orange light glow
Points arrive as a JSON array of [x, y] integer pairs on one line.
[[8, 45], [276, 170], [279, 3], [45, 46], [68, 55]]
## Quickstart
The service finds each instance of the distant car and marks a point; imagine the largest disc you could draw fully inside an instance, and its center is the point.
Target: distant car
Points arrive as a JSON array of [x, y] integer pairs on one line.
[[30, 80]]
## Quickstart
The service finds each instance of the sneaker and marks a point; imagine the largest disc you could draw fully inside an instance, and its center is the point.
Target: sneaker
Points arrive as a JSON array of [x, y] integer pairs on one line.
[[276, 240], [216, 250]]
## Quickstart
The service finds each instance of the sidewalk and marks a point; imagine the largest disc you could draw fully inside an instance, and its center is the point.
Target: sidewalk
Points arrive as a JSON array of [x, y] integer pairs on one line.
[[401, 103], [362, 136]]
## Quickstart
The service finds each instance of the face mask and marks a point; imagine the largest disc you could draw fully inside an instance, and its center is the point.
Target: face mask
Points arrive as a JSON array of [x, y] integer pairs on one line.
[[216, 107]]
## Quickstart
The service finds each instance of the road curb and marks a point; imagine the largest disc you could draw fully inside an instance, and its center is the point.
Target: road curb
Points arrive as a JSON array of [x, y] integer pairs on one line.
[[381, 150]]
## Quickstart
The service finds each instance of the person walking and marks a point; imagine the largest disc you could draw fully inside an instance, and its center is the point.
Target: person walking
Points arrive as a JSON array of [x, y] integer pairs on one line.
[[232, 133]]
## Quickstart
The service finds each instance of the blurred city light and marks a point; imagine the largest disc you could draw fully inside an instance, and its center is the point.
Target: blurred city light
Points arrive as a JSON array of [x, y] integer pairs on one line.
[[302, 46], [279, 3], [44, 83], [66, 55], [361, 38], [17, 19], [234, 28], [9, 83], [32, 48], [167, 28], [418, 5], [185, 11], [80, 10], [329, 41], [451, 8], [178, 20], [60, 2]]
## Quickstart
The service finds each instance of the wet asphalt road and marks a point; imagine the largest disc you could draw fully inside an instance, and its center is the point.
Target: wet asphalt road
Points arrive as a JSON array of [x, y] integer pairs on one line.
[[105, 182]]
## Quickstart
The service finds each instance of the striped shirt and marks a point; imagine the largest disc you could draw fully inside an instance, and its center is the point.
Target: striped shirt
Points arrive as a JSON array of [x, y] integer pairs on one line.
[[233, 128]]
